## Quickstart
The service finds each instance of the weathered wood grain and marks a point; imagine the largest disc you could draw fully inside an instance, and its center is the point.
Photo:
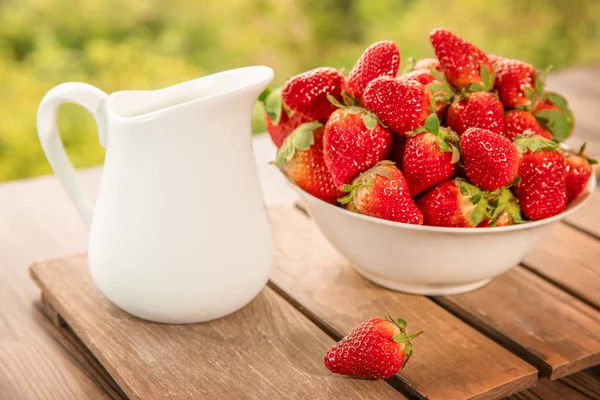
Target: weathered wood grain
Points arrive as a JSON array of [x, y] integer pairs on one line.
[[548, 327], [571, 260], [266, 350], [451, 360], [586, 382]]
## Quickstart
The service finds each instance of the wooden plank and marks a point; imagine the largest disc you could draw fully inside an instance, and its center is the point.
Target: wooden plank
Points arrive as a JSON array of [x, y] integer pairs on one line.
[[588, 218], [586, 382], [548, 327], [451, 360], [571, 260], [584, 385], [266, 350]]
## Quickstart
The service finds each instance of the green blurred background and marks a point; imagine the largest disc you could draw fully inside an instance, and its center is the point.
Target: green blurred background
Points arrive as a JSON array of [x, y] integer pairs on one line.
[[135, 44]]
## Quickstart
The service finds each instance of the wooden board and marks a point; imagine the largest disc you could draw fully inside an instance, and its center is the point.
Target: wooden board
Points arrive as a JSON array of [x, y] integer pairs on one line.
[[548, 327], [451, 360], [266, 350], [573, 264]]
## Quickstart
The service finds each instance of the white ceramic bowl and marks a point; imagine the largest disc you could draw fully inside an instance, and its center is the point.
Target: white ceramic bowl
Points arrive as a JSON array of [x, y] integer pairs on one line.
[[429, 260]]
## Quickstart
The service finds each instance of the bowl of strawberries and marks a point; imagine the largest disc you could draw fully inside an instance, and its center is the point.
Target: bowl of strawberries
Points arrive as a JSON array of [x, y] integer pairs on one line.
[[435, 180]]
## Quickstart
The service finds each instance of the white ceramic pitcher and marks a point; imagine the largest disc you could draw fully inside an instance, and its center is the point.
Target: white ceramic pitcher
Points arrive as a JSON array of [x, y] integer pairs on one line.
[[179, 233]]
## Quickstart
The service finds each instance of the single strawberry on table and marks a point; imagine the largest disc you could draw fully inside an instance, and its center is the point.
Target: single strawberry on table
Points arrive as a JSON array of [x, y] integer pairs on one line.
[[354, 141], [490, 160], [401, 106], [542, 191], [379, 59], [280, 121], [454, 203], [301, 159], [516, 82], [382, 192], [464, 64], [430, 155], [307, 93], [579, 170], [476, 110], [376, 349], [522, 123]]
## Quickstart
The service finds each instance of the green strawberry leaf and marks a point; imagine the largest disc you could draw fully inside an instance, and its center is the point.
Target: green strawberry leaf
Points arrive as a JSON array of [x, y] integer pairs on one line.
[[455, 154], [530, 94], [432, 123], [438, 75], [538, 83], [408, 349], [534, 144], [369, 120], [273, 105], [348, 99], [475, 87], [401, 323], [557, 100], [300, 139], [488, 82], [264, 94], [410, 65], [400, 338], [444, 147], [466, 189], [478, 213], [334, 101], [556, 122]]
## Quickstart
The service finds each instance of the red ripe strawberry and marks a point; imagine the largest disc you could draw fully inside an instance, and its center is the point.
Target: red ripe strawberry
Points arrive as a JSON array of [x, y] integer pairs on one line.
[[477, 110], [553, 114], [301, 160], [286, 125], [382, 192], [514, 82], [503, 210], [542, 191], [353, 141], [522, 123], [376, 349], [402, 106], [454, 203], [307, 93], [579, 170], [491, 160], [427, 63], [379, 59], [279, 120], [430, 156], [465, 65], [423, 76]]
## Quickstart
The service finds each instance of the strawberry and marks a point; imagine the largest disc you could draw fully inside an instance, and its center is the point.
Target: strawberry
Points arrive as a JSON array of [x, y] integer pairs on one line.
[[280, 121], [307, 93], [465, 65], [503, 210], [382, 192], [491, 160], [430, 155], [402, 106], [515, 82], [454, 203], [353, 141], [553, 114], [579, 170], [379, 59], [542, 191], [476, 110], [434, 81], [376, 349], [301, 160], [427, 63], [522, 123]]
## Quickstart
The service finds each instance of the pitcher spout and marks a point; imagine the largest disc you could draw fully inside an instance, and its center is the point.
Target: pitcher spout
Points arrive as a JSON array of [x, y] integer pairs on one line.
[[245, 82]]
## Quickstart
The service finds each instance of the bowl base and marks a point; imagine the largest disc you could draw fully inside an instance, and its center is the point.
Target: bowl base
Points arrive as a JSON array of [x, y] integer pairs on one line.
[[425, 290]]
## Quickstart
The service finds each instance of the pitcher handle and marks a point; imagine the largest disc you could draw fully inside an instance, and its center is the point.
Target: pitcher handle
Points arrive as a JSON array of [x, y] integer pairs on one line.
[[94, 101]]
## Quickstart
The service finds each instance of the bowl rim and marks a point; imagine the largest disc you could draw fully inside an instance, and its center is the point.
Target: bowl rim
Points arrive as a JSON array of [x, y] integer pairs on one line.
[[575, 205]]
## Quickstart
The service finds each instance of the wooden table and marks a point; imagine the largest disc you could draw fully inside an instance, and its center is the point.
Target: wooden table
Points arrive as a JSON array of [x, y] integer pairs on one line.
[[557, 286]]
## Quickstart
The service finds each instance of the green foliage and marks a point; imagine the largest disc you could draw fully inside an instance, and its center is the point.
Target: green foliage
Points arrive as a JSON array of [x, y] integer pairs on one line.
[[116, 44]]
